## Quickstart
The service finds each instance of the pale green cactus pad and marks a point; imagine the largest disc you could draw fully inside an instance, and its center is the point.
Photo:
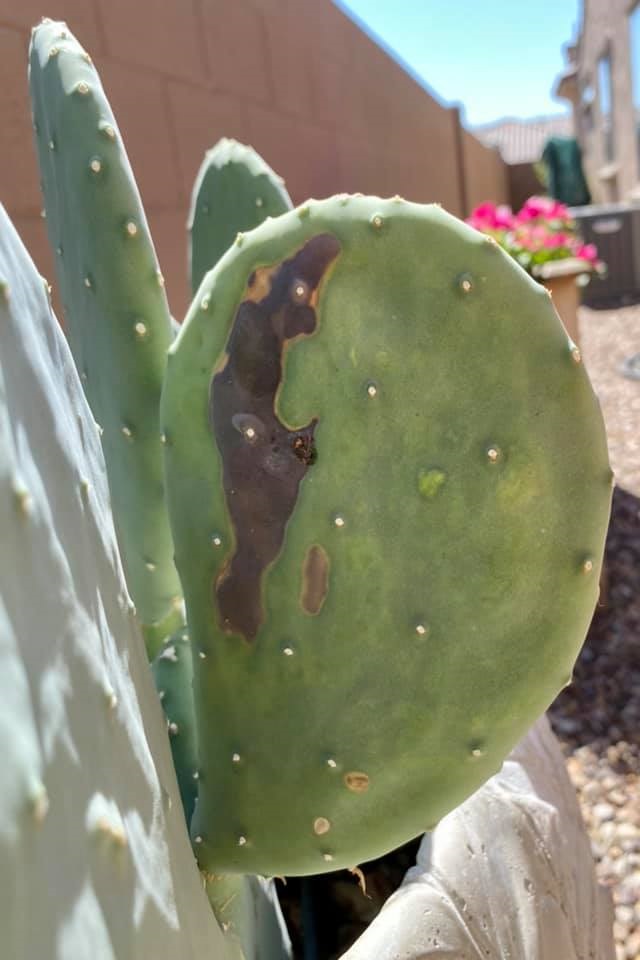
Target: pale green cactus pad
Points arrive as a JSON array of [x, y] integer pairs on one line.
[[116, 312], [173, 674], [94, 857], [388, 485]]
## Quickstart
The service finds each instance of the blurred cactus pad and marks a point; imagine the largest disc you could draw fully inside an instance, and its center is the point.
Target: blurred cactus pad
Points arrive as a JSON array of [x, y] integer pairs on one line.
[[388, 487]]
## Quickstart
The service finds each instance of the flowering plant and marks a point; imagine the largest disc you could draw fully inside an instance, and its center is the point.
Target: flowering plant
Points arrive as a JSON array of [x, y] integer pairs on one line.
[[542, 230]]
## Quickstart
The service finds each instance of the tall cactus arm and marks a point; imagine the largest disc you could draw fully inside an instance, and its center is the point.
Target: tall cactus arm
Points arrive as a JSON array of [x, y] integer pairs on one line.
[[117, 318]]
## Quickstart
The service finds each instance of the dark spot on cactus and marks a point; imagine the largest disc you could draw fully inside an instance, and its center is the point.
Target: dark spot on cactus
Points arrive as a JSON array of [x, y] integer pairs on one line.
[[315, 579], [263, 461], [304, 448]]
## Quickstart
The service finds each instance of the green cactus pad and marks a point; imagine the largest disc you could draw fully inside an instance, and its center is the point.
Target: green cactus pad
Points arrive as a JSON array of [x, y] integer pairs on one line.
[[173, 675], [117, 318], [247, 909], [235, 190], [388, 485]]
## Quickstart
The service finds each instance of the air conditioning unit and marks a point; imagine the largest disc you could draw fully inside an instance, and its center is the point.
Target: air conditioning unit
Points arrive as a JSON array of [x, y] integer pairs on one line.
[[615, 230]]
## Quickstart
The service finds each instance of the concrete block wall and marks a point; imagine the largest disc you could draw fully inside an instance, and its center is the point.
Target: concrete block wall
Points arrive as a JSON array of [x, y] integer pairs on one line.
[[326, 106]]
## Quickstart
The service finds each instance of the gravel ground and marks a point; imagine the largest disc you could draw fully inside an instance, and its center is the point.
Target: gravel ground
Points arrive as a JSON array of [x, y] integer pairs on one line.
[[597, 718], [607, 338]]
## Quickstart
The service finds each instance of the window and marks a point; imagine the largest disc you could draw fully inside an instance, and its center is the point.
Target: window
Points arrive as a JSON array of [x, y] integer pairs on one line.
[[634, 40], [605, 97], [585, 114]]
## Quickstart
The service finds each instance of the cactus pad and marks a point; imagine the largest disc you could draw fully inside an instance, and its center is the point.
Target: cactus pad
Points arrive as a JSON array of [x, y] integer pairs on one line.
[[173, 675], [91, 828], [235, 190], [389, 489], [117, 317]]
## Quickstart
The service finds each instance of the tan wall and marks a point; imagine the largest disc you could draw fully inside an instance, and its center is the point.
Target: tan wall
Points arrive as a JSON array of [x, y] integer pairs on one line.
[[606, 26], [485, 173], [325, 106], [523, 183]]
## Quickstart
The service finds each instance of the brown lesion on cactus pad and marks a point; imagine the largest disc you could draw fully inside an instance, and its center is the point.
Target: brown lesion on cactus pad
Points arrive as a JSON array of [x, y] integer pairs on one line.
[[263, 460], [259, 284], [315, 579]]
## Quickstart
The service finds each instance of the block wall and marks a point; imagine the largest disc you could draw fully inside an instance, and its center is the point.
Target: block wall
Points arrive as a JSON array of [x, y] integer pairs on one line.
[[326, 106]]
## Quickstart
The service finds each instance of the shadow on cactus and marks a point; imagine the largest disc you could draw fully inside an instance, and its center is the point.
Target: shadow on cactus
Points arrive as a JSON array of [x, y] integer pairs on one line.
[[380, 467]]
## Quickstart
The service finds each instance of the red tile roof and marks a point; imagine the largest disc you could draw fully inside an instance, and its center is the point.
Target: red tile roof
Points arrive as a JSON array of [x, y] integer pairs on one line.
[[522, 141]]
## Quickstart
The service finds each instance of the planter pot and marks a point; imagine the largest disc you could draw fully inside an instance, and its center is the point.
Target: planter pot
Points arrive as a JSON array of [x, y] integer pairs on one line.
[[562, 278]]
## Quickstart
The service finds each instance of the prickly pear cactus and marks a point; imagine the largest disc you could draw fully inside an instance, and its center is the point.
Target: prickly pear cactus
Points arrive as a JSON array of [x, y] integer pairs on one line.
[[248, 911], [235, 190], [173, 674], [388, 485], [246, 907], [94, 857], [118, 321]]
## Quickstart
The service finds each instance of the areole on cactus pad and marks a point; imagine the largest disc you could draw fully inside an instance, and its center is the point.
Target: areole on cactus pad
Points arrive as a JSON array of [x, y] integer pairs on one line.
[[388, 487]]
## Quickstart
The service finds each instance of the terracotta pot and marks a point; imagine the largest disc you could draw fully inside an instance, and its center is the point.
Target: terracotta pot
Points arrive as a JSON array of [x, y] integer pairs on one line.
[[560, 277]]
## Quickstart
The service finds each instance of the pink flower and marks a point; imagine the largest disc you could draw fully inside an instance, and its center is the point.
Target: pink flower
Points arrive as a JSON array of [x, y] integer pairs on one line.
[[589, 252], [543, 208], [504, 216], [536, 236], [541, 231], [489, 217], [555, 240], [484, 212]]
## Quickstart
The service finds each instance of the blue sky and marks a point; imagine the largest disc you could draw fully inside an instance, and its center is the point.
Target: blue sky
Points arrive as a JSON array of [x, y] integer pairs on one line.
[[497, 57]]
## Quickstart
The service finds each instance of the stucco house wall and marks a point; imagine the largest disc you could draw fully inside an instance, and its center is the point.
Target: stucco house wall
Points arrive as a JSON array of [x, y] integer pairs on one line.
[[605, 29]]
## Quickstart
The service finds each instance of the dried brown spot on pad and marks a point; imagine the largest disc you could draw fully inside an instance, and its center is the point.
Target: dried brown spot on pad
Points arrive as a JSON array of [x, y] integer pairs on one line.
[[263, 461]]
